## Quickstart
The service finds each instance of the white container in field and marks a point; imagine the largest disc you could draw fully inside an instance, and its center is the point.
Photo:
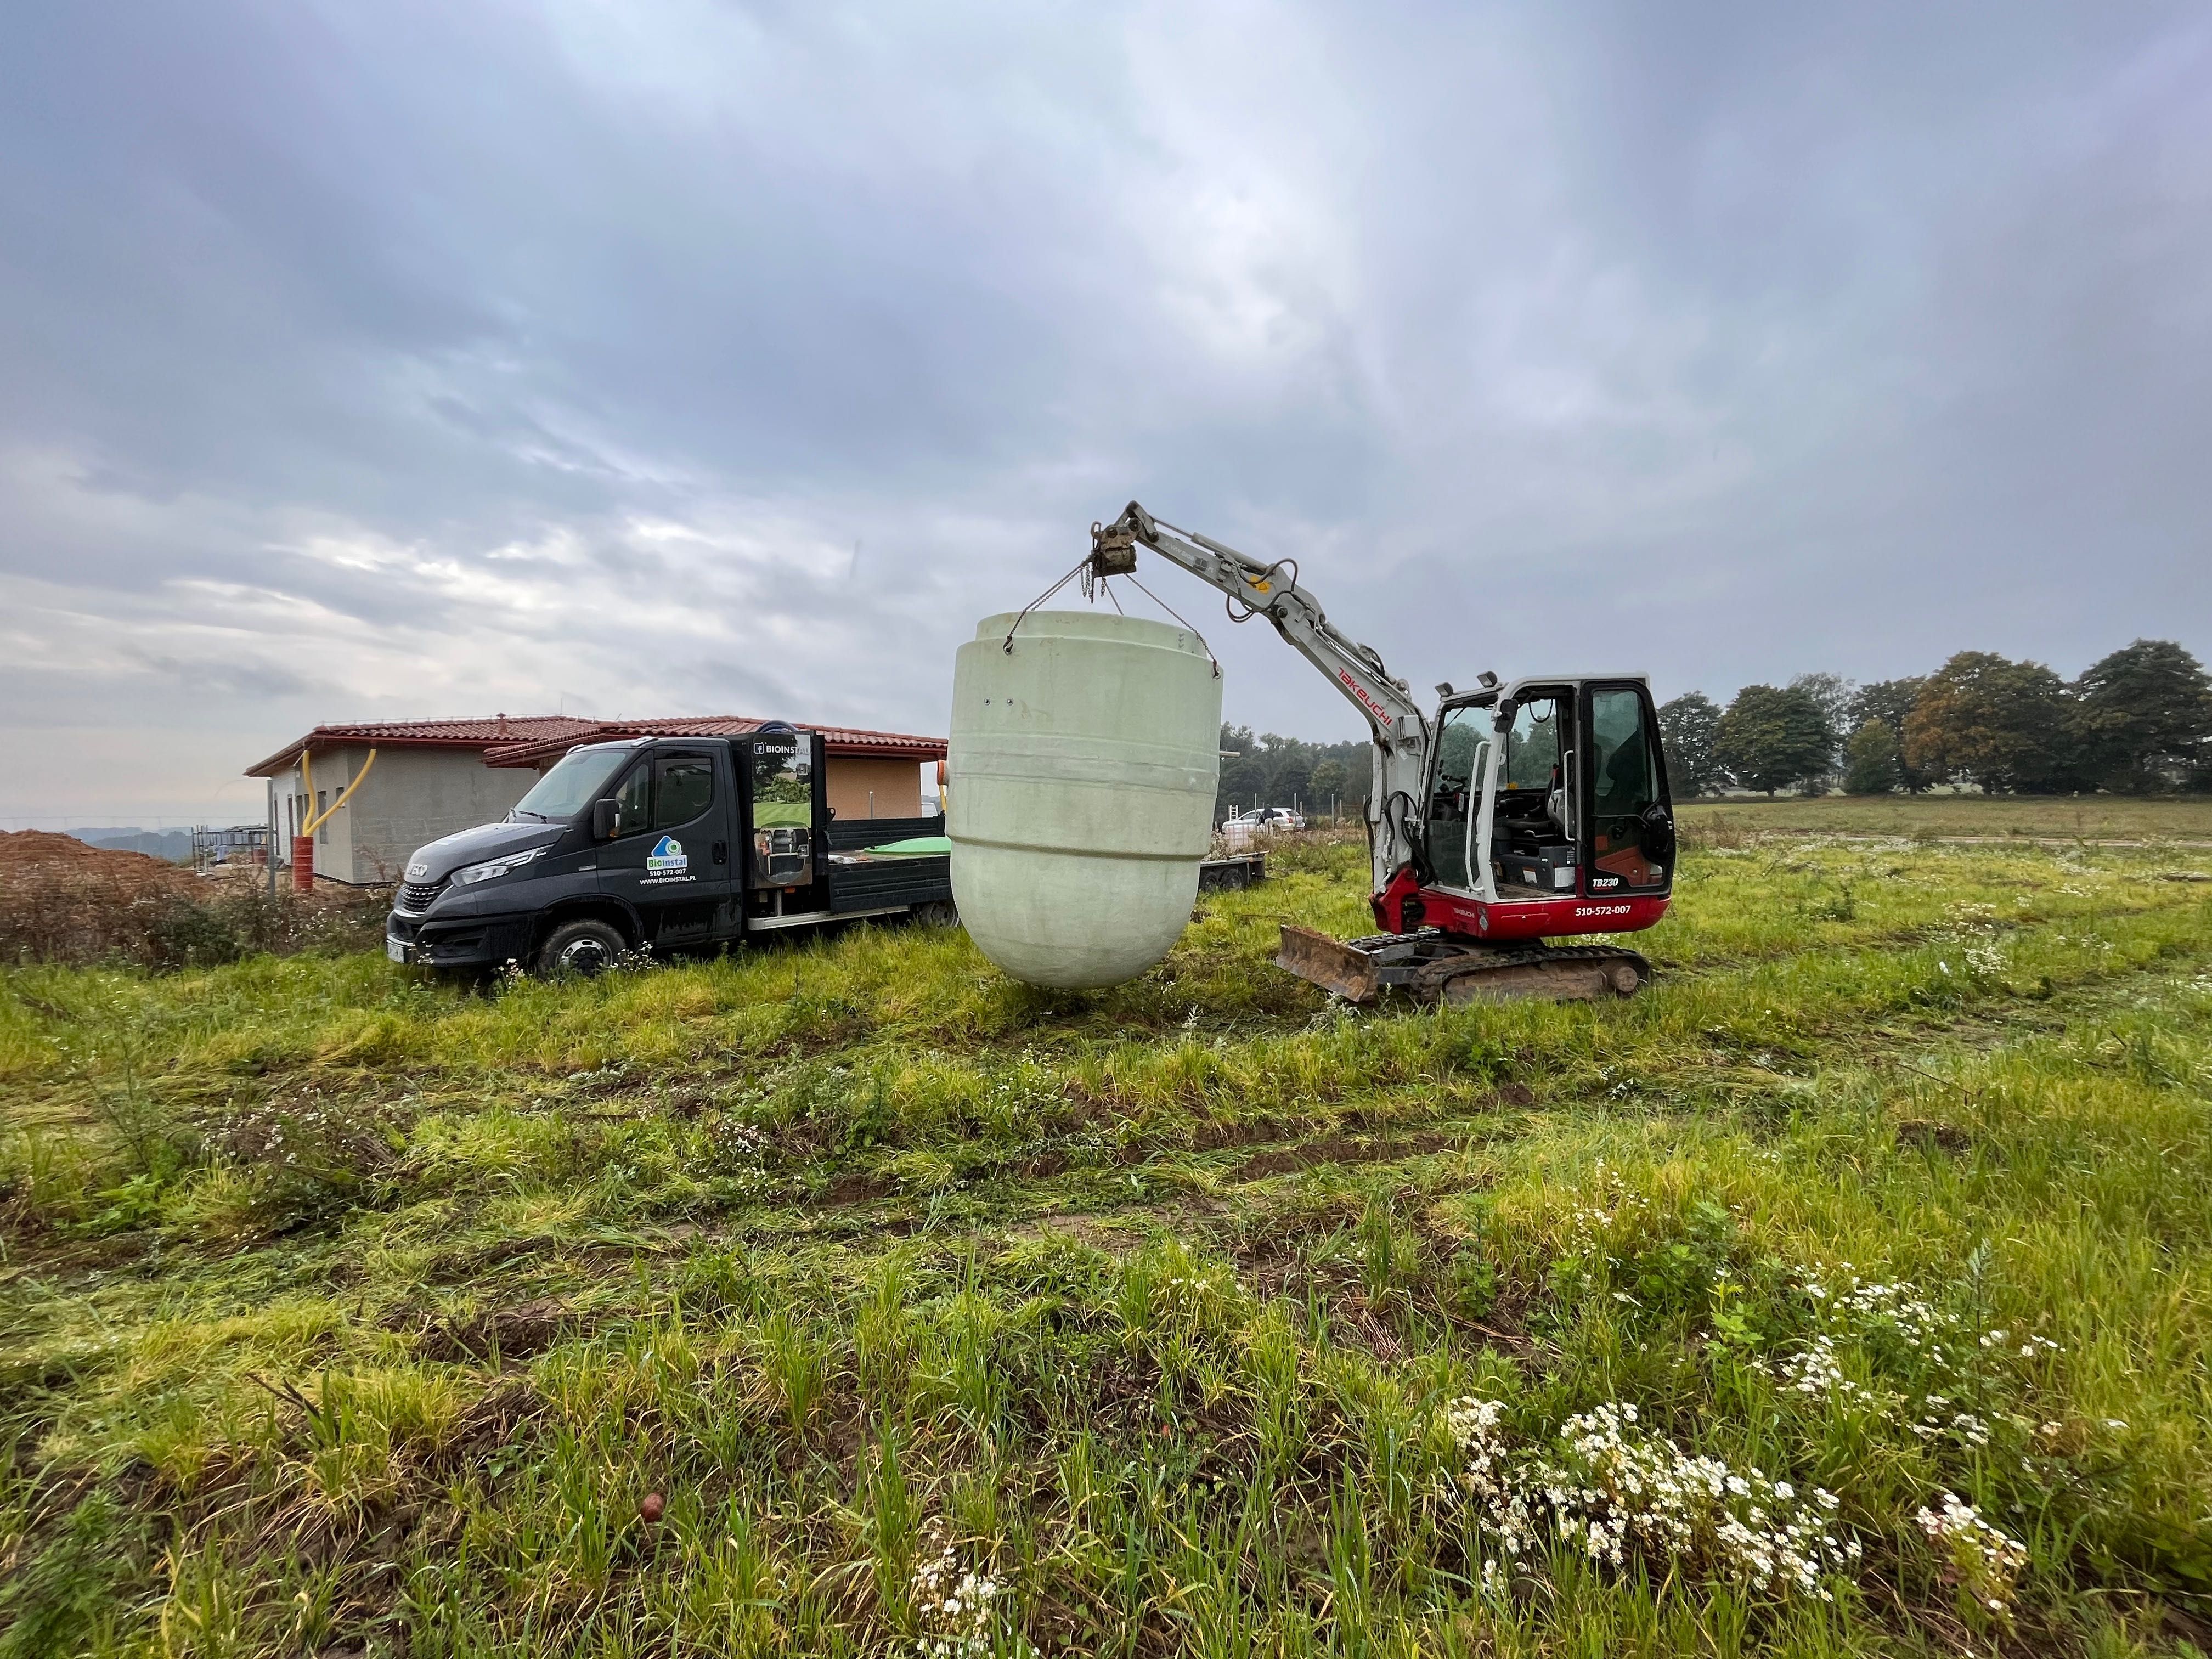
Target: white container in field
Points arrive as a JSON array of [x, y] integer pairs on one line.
[[1081, 782]]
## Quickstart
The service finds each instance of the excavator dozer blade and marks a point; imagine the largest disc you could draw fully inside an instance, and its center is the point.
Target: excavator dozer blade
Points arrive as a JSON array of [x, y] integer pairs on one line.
[[1329, 963]]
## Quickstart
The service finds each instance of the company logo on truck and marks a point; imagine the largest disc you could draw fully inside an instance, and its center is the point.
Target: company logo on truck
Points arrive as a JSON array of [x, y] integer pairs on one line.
[[667, 859]]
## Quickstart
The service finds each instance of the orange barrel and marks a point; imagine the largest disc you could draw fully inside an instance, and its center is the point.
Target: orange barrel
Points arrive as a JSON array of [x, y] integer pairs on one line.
[[303, 864]]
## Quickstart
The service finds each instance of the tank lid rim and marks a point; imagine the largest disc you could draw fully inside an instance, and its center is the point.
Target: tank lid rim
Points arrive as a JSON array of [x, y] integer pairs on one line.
[[1091, 624]]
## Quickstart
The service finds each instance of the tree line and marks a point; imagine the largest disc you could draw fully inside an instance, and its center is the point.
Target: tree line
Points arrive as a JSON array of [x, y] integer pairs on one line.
[[2138, 722], [1272, 770]]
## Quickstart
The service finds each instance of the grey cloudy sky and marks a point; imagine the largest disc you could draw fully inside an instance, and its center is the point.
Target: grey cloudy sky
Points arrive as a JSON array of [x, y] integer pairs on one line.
[[428, 359]]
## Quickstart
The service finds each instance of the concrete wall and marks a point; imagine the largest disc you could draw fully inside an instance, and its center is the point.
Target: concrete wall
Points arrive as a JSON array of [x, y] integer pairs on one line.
[[897, 784], [431, 793], [412, 796]]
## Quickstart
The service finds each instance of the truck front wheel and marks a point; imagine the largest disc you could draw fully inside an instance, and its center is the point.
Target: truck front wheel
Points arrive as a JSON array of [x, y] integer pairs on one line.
[[580, 947]]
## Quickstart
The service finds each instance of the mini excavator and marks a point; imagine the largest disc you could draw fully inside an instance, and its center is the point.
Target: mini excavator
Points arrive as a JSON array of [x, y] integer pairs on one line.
[[1519, 813]]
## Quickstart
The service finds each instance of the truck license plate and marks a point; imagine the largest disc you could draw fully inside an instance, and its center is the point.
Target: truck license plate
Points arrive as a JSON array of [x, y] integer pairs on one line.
[[395, 949]]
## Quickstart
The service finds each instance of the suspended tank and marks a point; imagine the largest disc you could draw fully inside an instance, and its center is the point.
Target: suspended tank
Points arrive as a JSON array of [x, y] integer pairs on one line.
[[1082, 773]]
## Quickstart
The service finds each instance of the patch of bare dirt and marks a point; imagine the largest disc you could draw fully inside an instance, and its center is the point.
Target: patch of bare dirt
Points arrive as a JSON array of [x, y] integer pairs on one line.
[[516, 1332], [1943, 1137], [1339, 1149]]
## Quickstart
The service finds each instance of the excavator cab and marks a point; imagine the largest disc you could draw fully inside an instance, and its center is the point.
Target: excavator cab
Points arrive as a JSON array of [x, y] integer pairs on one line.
[[1545, 792]]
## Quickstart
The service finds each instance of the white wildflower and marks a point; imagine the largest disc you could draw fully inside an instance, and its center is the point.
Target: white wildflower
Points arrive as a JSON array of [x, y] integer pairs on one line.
[[953, 1605], [1980, 1558], [1621, 1488]]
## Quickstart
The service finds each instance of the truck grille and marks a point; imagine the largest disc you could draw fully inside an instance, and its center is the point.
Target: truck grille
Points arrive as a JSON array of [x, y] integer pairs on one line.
[[415, 897]]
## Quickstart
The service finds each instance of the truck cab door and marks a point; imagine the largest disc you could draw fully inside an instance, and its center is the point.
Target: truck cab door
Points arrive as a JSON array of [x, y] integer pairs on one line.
[[670, 855], [785, 854]]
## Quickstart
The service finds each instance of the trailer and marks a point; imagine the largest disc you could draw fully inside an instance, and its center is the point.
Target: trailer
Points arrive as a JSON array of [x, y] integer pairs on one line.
[[1237, 871], [666, 845]]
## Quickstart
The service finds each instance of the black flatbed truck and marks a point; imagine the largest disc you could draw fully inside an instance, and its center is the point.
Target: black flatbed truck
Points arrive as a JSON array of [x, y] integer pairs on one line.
[[666, 844]]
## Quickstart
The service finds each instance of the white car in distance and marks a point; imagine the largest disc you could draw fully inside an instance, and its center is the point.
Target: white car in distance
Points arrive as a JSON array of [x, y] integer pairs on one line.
[[1263, 821]]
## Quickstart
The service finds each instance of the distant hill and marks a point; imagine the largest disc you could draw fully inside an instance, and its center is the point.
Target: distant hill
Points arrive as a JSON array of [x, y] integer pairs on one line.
[[175, 845]]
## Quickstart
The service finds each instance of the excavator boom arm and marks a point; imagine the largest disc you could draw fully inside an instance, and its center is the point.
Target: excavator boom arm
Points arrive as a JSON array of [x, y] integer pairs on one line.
[[1401, 732]]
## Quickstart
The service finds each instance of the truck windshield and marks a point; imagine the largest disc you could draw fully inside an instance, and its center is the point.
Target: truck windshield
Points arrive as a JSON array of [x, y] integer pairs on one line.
[[573, 784]]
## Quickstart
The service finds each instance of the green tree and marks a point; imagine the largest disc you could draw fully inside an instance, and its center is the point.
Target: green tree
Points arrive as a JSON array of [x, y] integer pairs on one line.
[[1871, 766], [2143, 717], [1687, 728], [1833, 694], [1272, 770], [1890, 701], [1986, 720], [1328, 781], [1773, 737]]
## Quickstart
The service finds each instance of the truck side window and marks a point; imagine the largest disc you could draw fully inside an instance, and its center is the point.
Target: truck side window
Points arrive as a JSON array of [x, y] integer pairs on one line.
[[683, 788], [634, 802]]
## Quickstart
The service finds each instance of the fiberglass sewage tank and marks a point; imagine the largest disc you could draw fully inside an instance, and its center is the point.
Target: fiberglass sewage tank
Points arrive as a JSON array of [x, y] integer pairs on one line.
[[1080, 792]]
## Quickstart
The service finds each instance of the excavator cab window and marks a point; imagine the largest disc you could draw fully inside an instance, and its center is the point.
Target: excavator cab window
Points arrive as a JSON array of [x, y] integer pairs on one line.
[[1631, 826], [1453, 799], [1532, 748], [1529, 807], [1532, 841]]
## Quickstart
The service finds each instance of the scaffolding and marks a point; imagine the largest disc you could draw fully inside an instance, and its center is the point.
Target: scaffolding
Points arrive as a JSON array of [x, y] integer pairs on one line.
[[241, 845]]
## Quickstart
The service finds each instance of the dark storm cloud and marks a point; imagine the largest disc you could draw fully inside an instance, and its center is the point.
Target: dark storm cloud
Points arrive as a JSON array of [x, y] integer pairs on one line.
[[361, 361]]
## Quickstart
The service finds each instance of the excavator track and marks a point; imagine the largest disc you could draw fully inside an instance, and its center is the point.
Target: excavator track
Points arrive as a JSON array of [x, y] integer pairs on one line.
[[1435, 968], [1564, 972]]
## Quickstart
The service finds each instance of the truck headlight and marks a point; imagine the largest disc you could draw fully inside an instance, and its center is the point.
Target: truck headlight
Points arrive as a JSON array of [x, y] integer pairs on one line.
[[499, 867]]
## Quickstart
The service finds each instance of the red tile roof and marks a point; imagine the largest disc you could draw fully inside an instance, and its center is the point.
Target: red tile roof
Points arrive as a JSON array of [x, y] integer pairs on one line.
[[536, 740], [836, 739]]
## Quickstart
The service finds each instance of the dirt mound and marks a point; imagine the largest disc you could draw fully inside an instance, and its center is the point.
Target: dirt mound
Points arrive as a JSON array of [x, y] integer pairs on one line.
[[61, 901], [40, 858]]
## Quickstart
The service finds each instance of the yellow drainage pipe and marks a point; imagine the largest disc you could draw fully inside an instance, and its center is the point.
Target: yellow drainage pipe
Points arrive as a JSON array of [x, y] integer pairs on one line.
[[303, 843], [307, 778]]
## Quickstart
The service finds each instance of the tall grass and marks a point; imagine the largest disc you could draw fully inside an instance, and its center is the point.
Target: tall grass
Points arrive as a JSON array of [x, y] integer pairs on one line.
[[850, 1299]]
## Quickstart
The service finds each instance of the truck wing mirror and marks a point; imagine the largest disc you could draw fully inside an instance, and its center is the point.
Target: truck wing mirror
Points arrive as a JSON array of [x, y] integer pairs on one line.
[[603, 820]]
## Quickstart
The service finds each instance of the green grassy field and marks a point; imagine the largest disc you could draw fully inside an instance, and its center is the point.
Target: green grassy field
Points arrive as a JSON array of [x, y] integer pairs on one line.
[[2064, 817], [1846, 1292]]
